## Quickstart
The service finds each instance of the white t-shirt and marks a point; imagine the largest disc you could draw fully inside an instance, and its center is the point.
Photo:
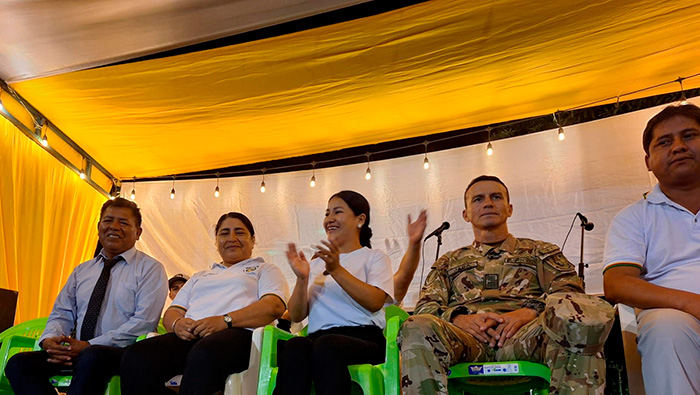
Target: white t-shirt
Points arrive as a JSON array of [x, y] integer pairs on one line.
[[220, 290], [330, 306], [659, 236]]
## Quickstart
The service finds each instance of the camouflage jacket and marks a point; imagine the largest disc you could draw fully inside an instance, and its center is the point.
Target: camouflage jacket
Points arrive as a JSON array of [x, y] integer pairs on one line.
[[480, 279]]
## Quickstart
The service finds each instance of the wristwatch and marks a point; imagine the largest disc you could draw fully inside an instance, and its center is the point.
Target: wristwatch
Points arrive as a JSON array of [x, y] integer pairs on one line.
[[228, 320], [536, 305]]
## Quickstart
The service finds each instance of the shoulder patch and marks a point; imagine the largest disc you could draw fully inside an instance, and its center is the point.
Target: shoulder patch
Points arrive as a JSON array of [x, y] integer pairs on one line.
[[552, 256], [547, 249]]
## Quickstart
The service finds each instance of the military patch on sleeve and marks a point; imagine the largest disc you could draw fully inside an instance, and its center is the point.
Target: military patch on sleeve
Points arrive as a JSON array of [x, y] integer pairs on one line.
[[547, 250], [551, 255]]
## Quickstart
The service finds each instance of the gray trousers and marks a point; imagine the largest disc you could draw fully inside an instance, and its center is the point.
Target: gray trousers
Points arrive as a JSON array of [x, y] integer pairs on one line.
[[669, 343]]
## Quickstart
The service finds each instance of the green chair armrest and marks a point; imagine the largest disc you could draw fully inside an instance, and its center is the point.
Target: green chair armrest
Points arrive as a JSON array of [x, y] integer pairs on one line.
[[267, 377], [12, 345]]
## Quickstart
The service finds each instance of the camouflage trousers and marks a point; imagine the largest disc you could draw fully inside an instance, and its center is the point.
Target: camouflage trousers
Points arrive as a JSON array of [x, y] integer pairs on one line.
[[430, 345]]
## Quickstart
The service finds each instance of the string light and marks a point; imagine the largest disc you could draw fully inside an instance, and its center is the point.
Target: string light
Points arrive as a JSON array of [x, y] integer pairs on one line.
[[216, 190], [560, 132], [368, 172], [82, 169], [262, 184], [44, 139], [489, 147], [172, 191], [312, 183], [426, 162], [683, 101], [133, 189]]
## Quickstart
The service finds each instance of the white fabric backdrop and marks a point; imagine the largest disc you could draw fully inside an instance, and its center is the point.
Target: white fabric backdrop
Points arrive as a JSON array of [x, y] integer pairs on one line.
[[597, 170]]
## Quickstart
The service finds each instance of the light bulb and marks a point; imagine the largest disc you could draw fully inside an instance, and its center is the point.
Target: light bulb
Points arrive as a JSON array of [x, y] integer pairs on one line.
[[216, 191], [684, 102], [44, 141], [172, 193], [262, 187], [489, 149], [368, 174], [82, 174], [133, 194], [426, 163], [561, 134], [112, 197], [312, 183]]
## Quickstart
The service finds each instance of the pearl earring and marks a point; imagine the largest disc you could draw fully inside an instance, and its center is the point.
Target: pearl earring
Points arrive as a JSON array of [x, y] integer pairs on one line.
[[359, 226]]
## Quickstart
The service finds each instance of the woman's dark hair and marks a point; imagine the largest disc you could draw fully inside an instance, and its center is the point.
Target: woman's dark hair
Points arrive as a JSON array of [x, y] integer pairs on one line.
[[238, 216], [359, 205]]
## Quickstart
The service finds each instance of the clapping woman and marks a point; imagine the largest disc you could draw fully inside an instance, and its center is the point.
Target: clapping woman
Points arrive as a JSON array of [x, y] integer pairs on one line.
[[342, 292]]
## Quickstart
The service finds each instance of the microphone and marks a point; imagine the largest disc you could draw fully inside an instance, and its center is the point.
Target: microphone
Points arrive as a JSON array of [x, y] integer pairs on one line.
[[584, 222], [437, 232]]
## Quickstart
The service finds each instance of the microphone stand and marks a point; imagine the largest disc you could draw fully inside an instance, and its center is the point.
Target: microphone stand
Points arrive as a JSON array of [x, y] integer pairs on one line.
[[582, 265], [439, 243]]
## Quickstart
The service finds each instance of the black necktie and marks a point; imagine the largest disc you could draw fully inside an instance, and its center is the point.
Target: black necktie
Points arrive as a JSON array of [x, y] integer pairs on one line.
[[87, 331]]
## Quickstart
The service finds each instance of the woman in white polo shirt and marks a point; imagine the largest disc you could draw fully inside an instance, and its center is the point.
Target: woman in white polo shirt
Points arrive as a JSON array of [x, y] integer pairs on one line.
[[342, 292], [210, 320]]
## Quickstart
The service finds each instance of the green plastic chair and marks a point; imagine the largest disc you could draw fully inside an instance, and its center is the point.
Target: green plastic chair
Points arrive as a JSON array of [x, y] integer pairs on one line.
[[501, 378], [32, 328], [23, 337], [372, 379], [19, 338]]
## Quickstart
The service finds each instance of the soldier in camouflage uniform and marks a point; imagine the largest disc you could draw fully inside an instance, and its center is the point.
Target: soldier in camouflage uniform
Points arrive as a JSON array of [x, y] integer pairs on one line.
[[504, 298]]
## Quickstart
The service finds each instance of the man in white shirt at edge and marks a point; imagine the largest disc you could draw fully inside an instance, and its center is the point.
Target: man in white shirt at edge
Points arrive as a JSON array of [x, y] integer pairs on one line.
[[652, 255]]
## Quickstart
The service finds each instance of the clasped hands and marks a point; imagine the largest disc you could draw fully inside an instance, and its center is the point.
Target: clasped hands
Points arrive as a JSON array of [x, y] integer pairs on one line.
[[189, 329], [494, 329], [63, 350]]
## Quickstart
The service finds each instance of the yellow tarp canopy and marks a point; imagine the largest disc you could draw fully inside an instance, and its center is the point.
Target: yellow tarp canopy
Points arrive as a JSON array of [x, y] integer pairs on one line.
[[433, 67]]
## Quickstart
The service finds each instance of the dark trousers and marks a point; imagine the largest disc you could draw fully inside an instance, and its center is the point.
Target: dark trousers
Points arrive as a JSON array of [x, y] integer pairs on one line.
[[29, 372], [204, 363], [324, 356]]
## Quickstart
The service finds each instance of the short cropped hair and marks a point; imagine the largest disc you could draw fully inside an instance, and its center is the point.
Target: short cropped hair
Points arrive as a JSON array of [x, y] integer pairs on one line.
[[124, 203], [690, 111], [485, 178], [235, 215]]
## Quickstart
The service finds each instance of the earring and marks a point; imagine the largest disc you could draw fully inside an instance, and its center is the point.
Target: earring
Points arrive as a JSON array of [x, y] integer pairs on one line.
[[359, 226]]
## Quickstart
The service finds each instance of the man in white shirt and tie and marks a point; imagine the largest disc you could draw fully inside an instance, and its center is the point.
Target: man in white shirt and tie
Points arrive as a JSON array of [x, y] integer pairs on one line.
[[106, 303]]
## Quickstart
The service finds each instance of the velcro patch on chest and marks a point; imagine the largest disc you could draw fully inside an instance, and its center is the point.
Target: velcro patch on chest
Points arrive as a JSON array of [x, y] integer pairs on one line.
[[491, 281]]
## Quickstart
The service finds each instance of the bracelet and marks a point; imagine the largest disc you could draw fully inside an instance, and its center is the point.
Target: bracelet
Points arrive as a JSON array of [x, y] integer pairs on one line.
[[175, 322]]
